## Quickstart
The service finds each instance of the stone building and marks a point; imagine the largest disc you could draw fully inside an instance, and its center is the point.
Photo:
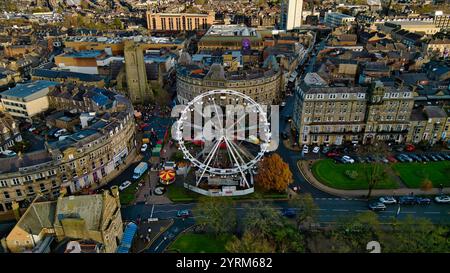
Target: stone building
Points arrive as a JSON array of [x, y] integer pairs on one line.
[[86, 217], [9, 132], [428, 124], [335, 115], [179, 21], [88, 157]]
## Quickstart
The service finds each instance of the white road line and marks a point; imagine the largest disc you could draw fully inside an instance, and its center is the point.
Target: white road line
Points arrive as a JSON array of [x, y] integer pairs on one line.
[[360, 210], [407, 212], [340, 209], [321, 209], [432, 212]]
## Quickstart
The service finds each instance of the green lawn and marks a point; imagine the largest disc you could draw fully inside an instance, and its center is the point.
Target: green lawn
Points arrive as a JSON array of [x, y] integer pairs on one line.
[[200, 243], [128, 195], [333, 175], [413, 174]]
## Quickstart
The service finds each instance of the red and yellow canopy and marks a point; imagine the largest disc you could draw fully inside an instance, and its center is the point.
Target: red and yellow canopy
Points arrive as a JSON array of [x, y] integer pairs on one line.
[[167, 175]]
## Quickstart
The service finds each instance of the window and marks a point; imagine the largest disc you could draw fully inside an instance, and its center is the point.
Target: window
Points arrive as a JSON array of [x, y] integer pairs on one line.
[[19, 192], [332, 96], [3, 183], [6, 194], [30, 189], [15, 181], [345, 96], [42, 187]]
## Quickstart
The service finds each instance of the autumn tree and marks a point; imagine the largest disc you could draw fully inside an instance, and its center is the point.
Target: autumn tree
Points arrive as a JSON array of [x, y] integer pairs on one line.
[[249, 243], [426, 185], [273, 174], [218, 214]]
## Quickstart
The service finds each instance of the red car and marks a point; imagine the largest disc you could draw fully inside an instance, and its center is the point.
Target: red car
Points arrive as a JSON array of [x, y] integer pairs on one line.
[[392, 159], [410, 148], [332, 154]]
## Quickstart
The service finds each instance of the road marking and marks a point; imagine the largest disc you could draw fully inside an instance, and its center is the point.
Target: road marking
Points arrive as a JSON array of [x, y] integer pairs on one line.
[[321, 209], [359, 210], [340, 209], [432, 212], [407, 212]]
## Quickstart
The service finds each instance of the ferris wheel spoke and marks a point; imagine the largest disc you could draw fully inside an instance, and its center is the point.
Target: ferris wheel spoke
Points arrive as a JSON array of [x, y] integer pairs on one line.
[[210, 155]]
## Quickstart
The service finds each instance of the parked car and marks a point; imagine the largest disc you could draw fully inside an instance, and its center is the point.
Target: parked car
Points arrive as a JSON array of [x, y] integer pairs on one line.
[[410, 148], [392, 159], [9, 153], [423, 201], [439, 157], [442, 199], [283, 104], [383, 159], [124, 185], [415, 157], [425, 158], [377, 206], [144, 147], [339, 159], [407, 200], [305, 149], [332, 154], [433, 158], [446, 156], [387, 200], [288, 212], [348, 159], [316, 149], [183, 213], [325, 149], [358, 159]]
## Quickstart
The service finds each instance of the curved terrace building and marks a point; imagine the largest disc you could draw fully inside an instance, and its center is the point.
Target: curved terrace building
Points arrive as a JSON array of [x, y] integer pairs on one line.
[[100, 136]]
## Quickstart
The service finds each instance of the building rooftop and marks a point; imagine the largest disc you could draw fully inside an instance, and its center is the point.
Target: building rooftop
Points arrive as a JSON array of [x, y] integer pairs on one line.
[[23, 91], [84, 54], [231, 30]]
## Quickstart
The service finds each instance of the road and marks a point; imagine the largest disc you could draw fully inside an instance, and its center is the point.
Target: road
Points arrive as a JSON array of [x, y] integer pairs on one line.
[[329, 210]]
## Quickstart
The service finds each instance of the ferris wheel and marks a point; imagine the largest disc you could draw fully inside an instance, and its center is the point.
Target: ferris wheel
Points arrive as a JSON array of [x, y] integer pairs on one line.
[[220, 141]]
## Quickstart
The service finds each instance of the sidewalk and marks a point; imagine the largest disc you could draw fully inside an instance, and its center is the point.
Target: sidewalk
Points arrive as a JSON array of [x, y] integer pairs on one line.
[[305, 170], [145, 193]]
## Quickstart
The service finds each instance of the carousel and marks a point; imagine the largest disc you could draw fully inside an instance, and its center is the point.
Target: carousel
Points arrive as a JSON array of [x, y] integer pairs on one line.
[[166, 177]]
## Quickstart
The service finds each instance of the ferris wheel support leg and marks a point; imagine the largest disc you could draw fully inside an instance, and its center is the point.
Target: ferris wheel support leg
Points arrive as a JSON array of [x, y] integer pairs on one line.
[[209, 158]]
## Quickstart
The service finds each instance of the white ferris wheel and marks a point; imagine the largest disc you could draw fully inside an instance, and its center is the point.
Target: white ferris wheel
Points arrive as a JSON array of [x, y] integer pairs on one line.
[[224, 143]]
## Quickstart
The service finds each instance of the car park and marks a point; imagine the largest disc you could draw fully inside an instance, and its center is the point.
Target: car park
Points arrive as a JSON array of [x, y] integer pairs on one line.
[[377, 206], [439, 157], [383, 159], [400, 158], [358, 159], [407, 200], [442, 199], [316, 149], [305, 149], [339, 159], [433, 158], [124, 185], [387, 200]]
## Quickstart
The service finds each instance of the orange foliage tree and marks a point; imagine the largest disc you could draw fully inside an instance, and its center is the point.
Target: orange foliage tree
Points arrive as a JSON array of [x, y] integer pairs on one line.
[[273, 174]]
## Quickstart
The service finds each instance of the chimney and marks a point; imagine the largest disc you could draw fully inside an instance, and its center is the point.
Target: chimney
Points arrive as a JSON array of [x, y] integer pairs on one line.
[[16, 210]]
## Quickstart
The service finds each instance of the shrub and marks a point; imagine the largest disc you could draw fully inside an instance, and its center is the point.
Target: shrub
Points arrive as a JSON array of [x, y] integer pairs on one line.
[[352, 174]]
